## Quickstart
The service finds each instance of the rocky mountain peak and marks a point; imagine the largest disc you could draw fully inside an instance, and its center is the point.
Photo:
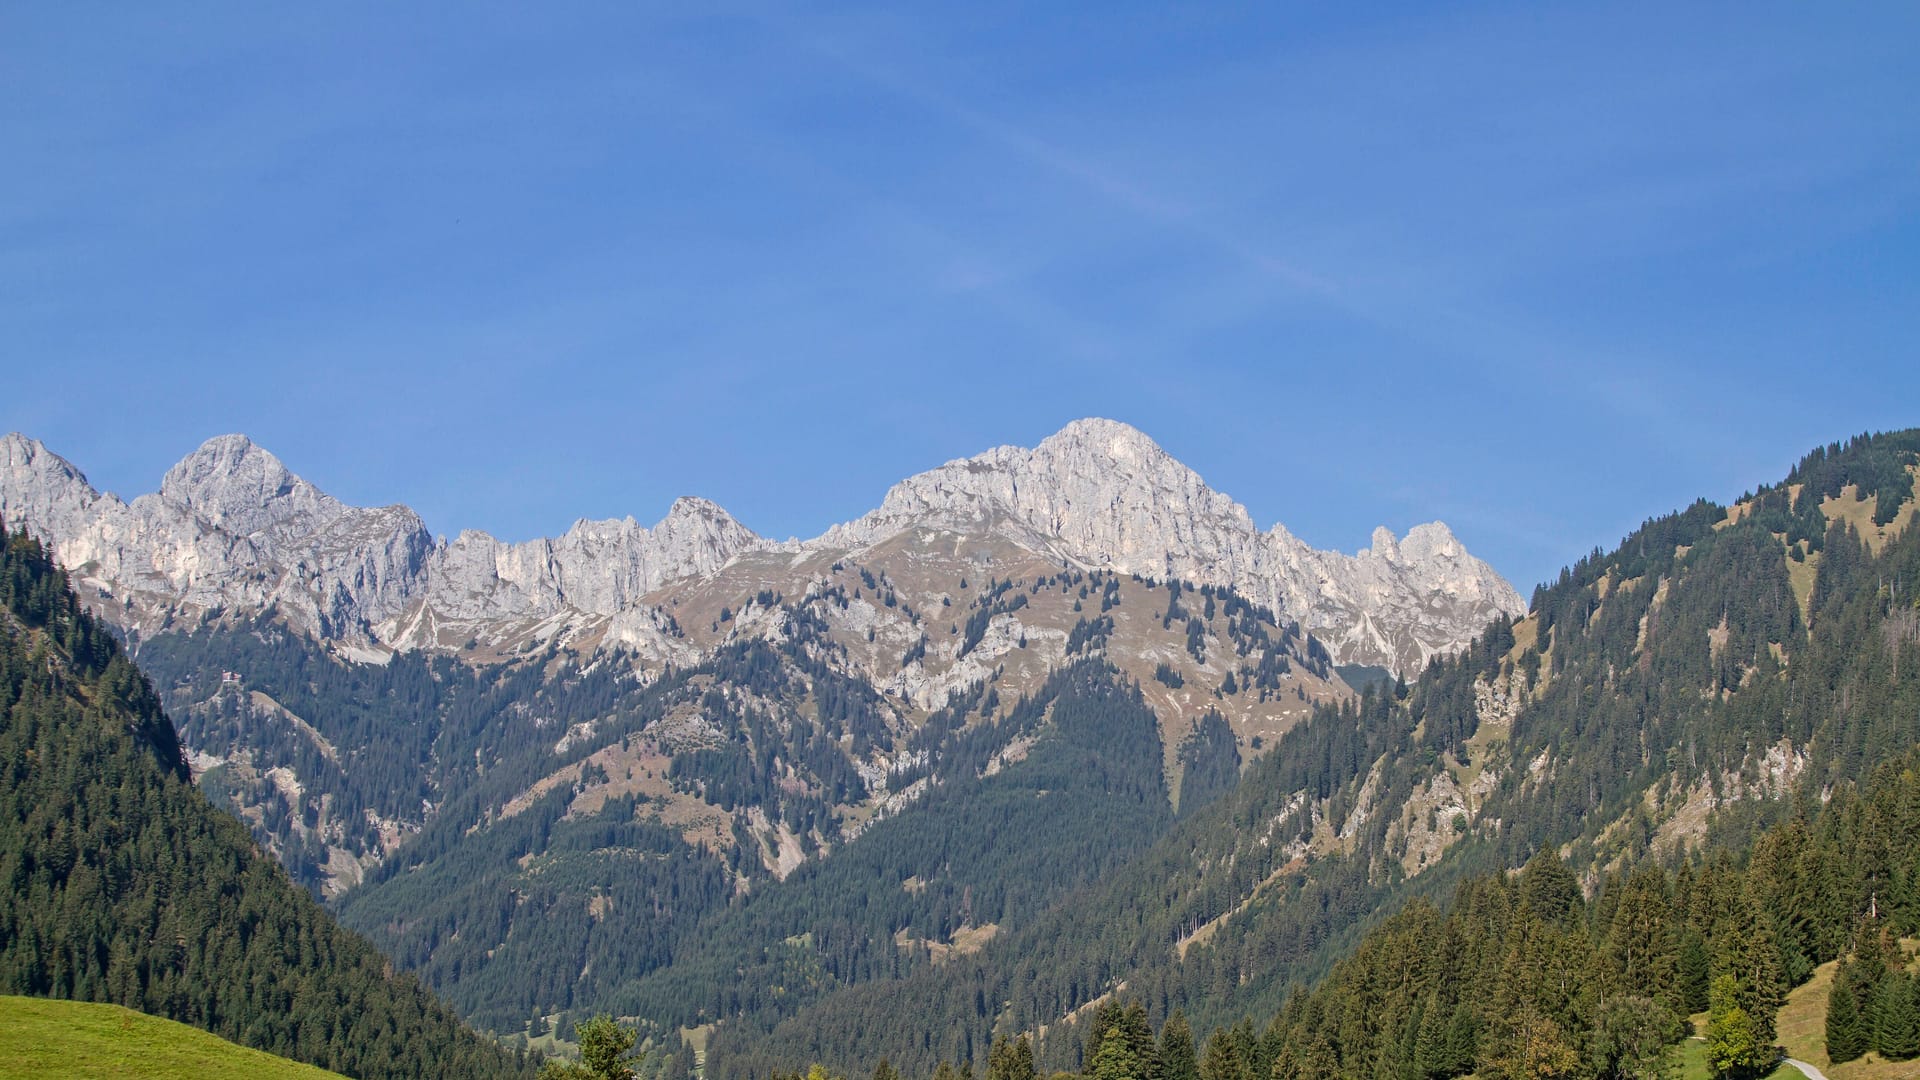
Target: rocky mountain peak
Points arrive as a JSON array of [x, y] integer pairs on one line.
[[26, 465], [1102, 494], [1432, 542], [1104, 490], [39, 489], [236, 485], [693, 512], [21, 455], [1120, 442]]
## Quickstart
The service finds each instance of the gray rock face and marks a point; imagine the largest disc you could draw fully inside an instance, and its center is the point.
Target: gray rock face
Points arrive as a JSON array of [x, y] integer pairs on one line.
[[1103, 494], [232, 528], [595, 568]]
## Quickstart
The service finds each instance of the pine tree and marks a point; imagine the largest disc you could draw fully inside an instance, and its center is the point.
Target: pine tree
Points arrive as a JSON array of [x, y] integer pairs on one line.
[[1010, 1059], [1222, 1060], [1138, 1032], [1896, 1020], [1640, 939], [1106, 1017], [1177, 1058], [1115, 1061], [1847, 1034]]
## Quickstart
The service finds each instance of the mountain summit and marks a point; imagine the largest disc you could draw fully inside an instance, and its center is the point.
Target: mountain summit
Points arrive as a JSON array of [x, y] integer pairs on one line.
[[232, 528], [1103, 495]]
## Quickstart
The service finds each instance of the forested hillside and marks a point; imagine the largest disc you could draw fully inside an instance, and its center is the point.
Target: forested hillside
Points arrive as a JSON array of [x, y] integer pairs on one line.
[[1062, 789], [1661, 698], [125, 885], [1522, 975], [662, 841]]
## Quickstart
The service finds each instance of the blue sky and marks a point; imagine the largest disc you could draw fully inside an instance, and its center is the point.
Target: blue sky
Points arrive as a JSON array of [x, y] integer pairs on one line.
[[1540, 271]]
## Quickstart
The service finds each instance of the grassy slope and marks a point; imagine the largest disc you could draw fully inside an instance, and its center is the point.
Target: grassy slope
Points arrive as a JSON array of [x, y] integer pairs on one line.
[[1803, 1031], [1693, 1064], [39, 1037]]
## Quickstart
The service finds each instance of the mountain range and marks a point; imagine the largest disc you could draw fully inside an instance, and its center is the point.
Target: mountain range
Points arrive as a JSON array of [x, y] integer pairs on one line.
[[231, 528], [386, 708]]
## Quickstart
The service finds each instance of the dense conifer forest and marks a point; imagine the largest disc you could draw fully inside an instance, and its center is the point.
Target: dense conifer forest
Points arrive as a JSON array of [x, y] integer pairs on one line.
[[1522, 975], [123, 884]]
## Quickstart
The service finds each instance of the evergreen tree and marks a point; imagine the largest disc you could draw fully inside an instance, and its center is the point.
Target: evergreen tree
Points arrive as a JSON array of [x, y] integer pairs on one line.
[[1177, 1058], [1430, 1056], [1694, 972], [1549, 890], [1010, 1059], [1107, 1017], [1222, 1059], [1462, 1047], [1115, 1061], [1138, 1032], [1745, 950], [1640, 938], [1896, 1020], [1847, 1033], [1311, 1058]]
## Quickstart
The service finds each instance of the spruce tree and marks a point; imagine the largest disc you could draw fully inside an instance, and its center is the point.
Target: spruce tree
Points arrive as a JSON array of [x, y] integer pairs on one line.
[[1106, 1017], [1746, 950], [1115, 1060], [1896, 1027], [1694, 972], [1138, 1032], [1010, 1059], [1463, 1043], [1847, 1036], [1222, 1060], [1640, 939], [1430, 1039], [1177, 1058]]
